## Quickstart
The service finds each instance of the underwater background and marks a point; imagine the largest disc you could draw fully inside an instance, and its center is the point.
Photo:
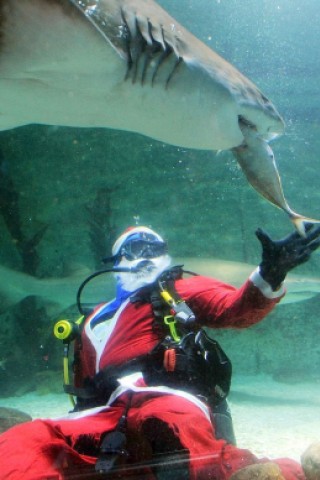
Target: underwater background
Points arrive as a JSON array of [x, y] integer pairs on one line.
[[66, 193]]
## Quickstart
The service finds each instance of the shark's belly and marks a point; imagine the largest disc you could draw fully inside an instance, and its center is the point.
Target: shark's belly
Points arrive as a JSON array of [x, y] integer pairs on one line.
[[172, 116]]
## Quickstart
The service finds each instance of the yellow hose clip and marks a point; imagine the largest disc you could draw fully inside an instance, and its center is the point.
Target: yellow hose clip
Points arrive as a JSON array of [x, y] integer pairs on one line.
[[171, 322]]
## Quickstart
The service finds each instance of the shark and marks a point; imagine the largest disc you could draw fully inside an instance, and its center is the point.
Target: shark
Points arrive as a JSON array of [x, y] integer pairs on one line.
[[129, 65], [59, 293]]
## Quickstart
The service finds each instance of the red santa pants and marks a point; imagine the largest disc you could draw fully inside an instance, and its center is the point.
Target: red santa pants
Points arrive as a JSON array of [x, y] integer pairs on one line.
[[57, 449]]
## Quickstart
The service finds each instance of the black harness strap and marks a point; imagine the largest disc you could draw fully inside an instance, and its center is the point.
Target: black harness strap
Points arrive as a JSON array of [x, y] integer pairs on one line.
[[160, 308], [113, 447], [97, 390]]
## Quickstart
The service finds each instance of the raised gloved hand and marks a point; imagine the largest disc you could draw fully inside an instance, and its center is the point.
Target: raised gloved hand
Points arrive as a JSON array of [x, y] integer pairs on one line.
[[280, 256]]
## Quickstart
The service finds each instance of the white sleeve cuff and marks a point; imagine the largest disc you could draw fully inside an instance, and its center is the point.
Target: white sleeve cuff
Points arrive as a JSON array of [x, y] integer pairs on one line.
[[264, 286]]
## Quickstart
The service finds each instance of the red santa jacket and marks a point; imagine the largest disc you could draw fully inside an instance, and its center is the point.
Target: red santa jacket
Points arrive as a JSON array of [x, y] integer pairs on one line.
[[130, 332]]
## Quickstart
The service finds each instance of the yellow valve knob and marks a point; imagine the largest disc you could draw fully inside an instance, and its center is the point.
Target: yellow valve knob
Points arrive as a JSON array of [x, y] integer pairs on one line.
[[63, 329]]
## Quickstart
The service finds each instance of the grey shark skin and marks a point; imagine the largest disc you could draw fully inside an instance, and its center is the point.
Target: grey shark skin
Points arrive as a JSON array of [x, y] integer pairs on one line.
[[60, 293], [128, 65]]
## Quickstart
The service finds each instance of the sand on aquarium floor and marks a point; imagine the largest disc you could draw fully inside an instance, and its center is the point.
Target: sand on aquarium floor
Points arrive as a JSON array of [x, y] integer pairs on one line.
[[271, 419]]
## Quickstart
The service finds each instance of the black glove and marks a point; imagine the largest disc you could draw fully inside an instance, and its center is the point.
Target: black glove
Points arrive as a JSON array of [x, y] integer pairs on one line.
[[280, 256]]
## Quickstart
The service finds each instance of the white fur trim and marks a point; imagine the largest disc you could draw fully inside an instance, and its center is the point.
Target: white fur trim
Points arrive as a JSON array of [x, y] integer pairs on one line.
[[99, 342], [265, 287], [128, 383]]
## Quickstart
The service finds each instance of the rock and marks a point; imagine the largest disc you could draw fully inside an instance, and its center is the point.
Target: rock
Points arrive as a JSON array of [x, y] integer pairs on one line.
[[10, 417], [259, 471], [310, 461]]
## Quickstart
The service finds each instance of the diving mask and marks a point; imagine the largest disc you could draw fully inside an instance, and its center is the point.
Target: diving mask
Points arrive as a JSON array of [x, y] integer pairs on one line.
[[142, 245]]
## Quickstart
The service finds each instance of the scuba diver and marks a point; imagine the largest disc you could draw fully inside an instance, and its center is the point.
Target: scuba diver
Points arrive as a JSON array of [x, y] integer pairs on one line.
[[149, 382]]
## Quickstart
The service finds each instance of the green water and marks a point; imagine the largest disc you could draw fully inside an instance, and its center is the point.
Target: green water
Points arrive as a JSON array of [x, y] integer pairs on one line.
[[73, 190]]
